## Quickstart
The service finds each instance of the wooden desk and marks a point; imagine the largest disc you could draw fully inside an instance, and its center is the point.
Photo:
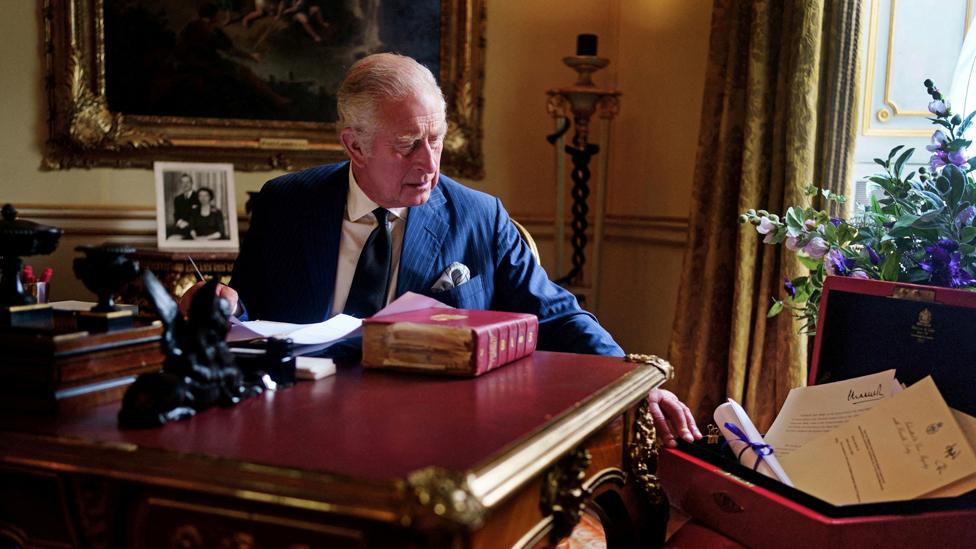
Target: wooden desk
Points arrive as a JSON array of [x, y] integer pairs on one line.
[[361, 459]]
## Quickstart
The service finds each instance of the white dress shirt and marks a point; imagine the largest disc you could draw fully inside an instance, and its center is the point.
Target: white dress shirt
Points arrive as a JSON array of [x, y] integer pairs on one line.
[[356, 226]]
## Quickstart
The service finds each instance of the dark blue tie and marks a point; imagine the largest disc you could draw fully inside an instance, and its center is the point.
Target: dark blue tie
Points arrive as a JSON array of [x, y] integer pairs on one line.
[[369, 285]]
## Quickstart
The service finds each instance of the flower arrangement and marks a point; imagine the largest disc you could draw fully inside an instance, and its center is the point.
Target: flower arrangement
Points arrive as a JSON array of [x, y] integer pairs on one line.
[[920, 231]]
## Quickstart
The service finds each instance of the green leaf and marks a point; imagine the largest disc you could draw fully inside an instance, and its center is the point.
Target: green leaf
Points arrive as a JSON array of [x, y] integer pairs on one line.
[[905, 221], [957, 178], [894, 151], [917, 275], [809, 262], [794, 222], [967, 234], [881, 163], [889, 267], [966, 123], [776, 309], [902, 159], [875, 207], [933, 199]]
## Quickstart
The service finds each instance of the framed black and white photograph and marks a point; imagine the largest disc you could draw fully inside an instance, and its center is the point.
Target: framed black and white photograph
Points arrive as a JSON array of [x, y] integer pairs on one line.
[[195, 206]]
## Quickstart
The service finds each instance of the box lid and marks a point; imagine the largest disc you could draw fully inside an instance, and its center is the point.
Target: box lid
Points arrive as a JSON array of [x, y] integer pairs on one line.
[[867, 326]]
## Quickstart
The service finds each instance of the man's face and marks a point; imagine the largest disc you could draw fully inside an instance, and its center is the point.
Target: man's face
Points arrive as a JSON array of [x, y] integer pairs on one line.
[[403, 164], [186, 184]]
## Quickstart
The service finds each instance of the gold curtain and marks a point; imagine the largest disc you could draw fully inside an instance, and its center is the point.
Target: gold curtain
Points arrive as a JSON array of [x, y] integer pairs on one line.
[[758, 146]]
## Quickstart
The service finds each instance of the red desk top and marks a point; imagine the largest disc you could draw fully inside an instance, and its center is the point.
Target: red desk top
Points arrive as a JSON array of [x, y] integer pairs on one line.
[[371, 425]]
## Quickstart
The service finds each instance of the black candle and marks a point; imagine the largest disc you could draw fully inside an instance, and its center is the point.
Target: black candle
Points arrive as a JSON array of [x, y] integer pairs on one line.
[[586, 44]]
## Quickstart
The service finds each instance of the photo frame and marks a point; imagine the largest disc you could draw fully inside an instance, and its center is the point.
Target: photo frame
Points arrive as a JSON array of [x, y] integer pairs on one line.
[[195, 206], [99, 115]]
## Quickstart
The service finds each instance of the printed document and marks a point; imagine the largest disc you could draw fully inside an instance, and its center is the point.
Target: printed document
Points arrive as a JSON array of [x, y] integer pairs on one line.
[[810, 412], [907, 445]]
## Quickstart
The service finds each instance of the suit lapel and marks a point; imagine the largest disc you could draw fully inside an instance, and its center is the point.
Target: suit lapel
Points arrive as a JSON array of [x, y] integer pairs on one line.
[[426, 228], [322, 244]]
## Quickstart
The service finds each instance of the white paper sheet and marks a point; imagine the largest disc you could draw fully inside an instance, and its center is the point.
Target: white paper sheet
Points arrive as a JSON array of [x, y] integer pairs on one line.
[[336, 328], [809, 412], [339, 327], [732, 412], [906, 446]]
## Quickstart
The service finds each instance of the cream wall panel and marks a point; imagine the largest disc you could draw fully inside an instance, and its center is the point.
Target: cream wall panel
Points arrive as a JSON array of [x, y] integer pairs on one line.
[[662, 55], [900, 52]]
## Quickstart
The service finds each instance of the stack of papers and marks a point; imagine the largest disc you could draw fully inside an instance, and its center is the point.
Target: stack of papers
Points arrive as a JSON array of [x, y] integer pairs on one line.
[[867, 440]]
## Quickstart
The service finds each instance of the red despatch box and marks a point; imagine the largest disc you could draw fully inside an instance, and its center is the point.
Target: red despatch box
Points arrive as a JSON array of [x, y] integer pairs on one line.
[[865, 326]]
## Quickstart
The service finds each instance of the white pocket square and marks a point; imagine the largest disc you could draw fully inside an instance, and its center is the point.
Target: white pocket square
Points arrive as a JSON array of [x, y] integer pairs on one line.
[[453, 276]]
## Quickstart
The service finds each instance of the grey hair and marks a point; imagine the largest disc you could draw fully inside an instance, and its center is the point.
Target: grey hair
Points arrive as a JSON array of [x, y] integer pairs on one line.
[[375, 80]]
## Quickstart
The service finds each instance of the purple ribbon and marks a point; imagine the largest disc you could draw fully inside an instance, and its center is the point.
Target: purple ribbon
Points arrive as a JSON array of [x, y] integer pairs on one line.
[[758, 447]]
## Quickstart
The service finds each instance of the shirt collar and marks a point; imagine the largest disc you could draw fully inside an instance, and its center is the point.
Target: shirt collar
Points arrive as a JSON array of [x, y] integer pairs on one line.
[[359, 205]]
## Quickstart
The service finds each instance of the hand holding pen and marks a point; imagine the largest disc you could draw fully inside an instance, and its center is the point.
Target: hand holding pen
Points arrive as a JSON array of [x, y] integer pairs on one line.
[[223, 291]]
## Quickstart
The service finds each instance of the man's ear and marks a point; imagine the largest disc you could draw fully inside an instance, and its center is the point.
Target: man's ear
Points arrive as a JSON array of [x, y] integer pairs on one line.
[[350, 142]]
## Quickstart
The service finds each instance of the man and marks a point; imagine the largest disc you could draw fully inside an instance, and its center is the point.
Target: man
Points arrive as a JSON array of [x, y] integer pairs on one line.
[[314, 233], [183, 206]]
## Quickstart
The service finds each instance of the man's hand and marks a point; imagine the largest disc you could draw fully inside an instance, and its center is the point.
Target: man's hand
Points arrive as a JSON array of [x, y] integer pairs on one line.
[[226, 292], [671, 416]]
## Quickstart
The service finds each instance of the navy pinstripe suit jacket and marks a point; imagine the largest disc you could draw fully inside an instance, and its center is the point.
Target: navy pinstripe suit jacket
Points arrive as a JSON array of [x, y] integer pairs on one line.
[[287, 266]]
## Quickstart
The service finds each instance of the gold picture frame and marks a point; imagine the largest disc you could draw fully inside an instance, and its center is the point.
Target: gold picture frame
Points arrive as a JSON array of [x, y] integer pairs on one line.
[[83, 131]]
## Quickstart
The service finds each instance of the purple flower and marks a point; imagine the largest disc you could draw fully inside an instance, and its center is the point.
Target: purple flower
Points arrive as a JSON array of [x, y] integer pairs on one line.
[[965, 217], [810, 224], [943, 265], [958, 157], [873, 256], [859, 273], [939, 107], [766, 226], [836, 221], [947, 244], [837, 264], [816, 248], [937, 160], [939, 138], [788, 286], [791, 243]]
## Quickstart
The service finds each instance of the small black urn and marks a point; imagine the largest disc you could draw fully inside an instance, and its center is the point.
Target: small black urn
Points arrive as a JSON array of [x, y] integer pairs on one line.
[[20, 238], [106, 270]]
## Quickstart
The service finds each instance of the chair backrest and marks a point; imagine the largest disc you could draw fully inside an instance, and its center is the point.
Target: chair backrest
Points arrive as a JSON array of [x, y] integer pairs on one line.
[[528, 240]]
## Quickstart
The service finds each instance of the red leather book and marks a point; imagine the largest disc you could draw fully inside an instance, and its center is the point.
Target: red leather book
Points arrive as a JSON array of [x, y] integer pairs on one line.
[[461, 342]]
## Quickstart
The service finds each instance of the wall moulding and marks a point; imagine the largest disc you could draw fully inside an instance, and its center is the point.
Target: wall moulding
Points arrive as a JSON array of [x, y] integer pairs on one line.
[[121, 221]]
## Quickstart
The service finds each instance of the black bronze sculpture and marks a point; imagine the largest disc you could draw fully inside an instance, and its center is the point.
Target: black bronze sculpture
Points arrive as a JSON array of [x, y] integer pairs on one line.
[[199, 370]]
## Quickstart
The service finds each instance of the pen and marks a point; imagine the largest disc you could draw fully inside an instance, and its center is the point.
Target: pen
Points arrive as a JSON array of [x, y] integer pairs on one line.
[[195, 269]]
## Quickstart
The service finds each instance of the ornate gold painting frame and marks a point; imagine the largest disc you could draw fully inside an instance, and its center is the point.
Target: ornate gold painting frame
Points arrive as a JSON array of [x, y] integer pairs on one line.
[[84, 132]]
